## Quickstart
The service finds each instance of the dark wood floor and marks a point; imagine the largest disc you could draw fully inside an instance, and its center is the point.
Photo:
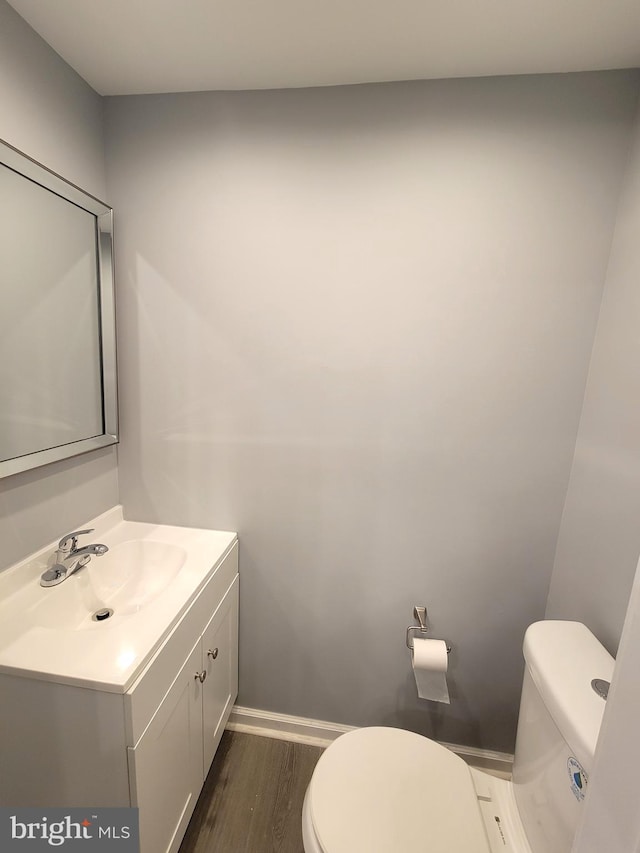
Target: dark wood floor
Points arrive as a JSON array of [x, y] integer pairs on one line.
[[252, 799]]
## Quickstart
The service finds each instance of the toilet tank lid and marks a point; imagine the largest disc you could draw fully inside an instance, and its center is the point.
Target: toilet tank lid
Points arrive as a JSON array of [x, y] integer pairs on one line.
[[563, 658]]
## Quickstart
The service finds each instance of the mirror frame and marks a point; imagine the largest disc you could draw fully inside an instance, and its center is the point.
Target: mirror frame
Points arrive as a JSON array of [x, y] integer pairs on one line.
[[34, 171]]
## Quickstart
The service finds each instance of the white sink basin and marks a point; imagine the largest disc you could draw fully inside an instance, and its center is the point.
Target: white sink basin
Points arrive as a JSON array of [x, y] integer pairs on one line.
[[133, 573], [127, 578], [147, 580]]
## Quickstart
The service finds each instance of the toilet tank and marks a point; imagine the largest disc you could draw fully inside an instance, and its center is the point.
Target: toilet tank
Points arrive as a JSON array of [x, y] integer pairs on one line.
[[558, 726]]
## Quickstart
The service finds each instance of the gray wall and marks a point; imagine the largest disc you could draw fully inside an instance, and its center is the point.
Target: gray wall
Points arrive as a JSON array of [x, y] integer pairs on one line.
[[355, 326], [50, 113], [599, 541]]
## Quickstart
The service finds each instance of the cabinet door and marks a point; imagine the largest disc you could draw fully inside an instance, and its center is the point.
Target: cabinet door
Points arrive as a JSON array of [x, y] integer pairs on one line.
[[165, 767], [220, 655]]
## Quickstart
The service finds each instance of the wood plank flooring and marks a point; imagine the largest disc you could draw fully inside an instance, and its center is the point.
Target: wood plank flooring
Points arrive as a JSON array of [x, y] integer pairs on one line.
[[252, 799]]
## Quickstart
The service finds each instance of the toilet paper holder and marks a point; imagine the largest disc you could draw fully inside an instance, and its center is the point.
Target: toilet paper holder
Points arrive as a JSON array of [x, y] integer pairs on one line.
[[420, 613]]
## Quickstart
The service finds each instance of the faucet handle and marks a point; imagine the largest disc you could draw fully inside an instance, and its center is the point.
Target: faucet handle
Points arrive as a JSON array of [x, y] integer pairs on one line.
[[69, 542]]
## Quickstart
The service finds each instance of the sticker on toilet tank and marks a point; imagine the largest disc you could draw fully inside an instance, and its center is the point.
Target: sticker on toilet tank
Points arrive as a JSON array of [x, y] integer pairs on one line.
[[578, 777]]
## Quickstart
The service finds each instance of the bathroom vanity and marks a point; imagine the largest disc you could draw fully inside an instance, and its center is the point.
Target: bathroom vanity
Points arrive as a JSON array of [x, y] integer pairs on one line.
[[129, 710]]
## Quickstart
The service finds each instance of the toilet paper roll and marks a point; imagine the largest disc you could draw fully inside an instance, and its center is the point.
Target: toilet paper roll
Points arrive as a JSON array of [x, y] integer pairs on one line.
[[430, 661]]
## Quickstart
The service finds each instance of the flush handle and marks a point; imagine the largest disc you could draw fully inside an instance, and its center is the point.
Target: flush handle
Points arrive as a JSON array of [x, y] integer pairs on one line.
[[601, 687]]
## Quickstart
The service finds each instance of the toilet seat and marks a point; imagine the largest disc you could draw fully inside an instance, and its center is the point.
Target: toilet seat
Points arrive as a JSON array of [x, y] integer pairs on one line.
[[383, 790]]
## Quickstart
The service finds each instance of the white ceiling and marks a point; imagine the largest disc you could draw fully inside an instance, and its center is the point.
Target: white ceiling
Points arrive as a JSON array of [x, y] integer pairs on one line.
[[136, 46]]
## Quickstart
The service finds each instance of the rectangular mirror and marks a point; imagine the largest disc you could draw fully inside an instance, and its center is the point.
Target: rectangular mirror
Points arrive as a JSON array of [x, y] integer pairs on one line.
[[58, 393]]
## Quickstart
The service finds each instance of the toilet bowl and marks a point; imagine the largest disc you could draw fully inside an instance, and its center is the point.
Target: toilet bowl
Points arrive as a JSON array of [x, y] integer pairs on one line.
[[386, 790], [376, 789]]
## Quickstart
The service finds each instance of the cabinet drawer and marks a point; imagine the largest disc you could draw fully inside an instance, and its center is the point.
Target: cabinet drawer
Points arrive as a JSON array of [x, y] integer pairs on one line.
[[146, 694]]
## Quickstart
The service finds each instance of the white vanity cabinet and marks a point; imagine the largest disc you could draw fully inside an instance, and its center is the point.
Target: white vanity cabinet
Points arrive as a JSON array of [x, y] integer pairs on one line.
[[169, 762], [150, 745]]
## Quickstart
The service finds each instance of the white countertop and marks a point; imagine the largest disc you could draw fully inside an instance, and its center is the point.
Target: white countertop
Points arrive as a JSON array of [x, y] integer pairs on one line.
[[36, 642]]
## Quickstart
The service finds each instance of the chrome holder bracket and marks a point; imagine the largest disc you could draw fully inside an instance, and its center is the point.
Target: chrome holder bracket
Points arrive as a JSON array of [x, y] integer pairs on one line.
[[419, 613]]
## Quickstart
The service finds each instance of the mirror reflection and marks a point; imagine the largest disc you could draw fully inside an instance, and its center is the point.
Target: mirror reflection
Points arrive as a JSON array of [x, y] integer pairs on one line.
[[57, 341]]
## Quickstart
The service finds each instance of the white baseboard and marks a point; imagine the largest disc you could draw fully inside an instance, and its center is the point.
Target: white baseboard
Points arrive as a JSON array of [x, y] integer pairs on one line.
[[322, 733], [499, 764], [284, 726]]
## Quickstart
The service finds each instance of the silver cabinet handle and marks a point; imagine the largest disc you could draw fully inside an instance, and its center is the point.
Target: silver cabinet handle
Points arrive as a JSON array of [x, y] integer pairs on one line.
[[213, 653], [200, 676]]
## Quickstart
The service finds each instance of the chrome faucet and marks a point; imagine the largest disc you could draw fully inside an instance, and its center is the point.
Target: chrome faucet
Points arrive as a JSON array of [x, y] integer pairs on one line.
[[67, 552]]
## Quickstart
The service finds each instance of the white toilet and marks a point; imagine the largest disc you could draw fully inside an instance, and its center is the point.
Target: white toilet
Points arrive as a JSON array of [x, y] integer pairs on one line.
[[384, 790]]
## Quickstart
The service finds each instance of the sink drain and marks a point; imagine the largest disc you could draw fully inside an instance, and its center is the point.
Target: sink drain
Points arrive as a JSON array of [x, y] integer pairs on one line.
[[101, 615]]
